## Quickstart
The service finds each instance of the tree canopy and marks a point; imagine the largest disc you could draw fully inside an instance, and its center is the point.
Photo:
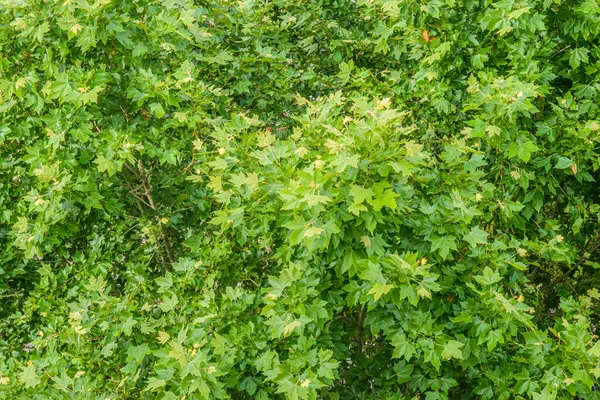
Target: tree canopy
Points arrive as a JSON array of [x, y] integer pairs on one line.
[[336, 199]]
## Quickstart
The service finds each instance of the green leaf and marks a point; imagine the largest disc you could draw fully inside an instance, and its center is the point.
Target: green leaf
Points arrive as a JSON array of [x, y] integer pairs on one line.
[[312, 231], [443, 245], [222, 58], [385, 199], [403, 348], [361, 194], [92, 200], [452, 350], [249, 385], [154, 384], [517, 13], [378, 290], [157, 109], [476, 236], [178, 352], [489, 277], [493, 338], [62, 382], [345, 161], [28, 377], [522, 150], [563, 163], [137, 353], [128, 326], [169, 303], [289, 327], [373, 274], [595, 350], [105, 165], [202, 387], [578, 56], [346, 70]]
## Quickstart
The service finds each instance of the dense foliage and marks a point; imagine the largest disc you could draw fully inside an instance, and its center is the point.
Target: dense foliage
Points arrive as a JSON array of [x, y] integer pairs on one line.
[[299, 199]]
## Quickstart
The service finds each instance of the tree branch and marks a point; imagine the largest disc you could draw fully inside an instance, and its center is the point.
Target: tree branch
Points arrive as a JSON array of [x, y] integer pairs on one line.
[[138, 200], [146, 185], [361, 328], [152, 205]]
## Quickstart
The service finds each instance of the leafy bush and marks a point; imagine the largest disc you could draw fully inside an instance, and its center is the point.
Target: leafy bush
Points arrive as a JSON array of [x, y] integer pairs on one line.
[[299, 199]]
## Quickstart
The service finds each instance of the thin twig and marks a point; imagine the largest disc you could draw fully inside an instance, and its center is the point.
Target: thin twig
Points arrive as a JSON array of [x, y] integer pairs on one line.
[[558, 52], [583, 259], [10, 295], [130, 168], [124, 113], [136, 197], [189, 165]]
